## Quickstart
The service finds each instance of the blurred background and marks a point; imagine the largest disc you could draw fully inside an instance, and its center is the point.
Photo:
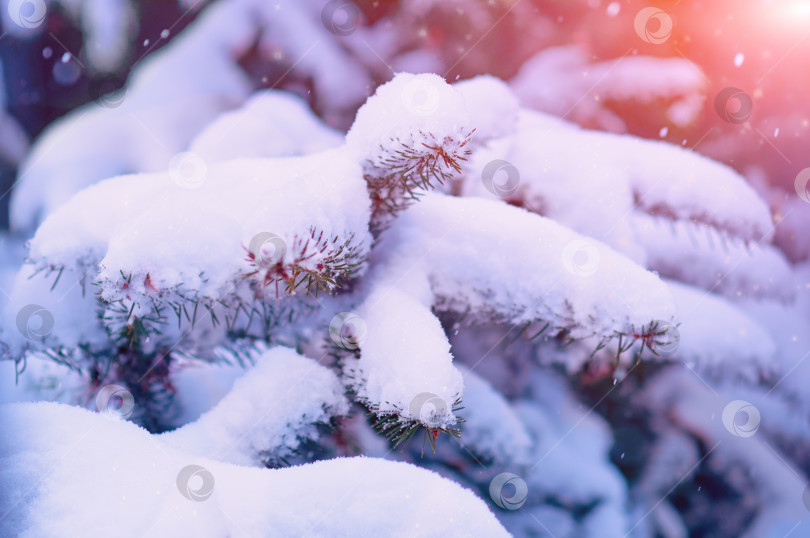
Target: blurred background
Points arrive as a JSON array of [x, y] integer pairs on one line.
[[81, 49]]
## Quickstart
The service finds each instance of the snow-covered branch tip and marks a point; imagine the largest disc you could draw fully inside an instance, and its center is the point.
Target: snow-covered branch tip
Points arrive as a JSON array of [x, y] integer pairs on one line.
[[412, 135], [400, 429], [434, 416]]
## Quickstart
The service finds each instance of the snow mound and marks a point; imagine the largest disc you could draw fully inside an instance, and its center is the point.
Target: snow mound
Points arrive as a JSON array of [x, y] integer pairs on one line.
[[267, 413], [492, 106], [408, 110], [272, 123], [70, 472]]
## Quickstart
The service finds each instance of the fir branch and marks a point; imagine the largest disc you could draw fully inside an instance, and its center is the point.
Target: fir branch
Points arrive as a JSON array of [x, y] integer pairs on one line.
[[316, 261], [400, 429], [405, 169]]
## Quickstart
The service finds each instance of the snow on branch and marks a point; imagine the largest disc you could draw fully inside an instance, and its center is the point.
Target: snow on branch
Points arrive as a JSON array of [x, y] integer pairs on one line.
[[671, 205], [411, 135], [208, 242], [457, 255], [267, 414], [166, 101], [403, 370], [272, 123], [569, 471], [711, 419], [703, 256], [492, 106], [714, 334], [493, 430], [466, 247], [221, 241], [670, 181], [588, 92], [173, 94]]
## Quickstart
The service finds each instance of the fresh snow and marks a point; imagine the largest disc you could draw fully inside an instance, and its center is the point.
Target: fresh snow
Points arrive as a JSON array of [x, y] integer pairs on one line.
[[272, 123], [186, 234], [716, 333], [408, 110], [560, 277], [267, 413], [191, 188], [63, 463]]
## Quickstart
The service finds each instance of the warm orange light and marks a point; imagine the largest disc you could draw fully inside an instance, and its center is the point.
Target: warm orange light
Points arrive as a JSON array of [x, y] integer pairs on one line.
[[795, 11]]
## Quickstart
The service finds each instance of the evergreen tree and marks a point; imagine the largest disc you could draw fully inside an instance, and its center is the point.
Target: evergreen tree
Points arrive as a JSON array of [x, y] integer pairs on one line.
[[580, 331]]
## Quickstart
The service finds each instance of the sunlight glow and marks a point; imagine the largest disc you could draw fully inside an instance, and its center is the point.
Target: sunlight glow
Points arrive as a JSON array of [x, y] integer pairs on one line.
[[798, 9]]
